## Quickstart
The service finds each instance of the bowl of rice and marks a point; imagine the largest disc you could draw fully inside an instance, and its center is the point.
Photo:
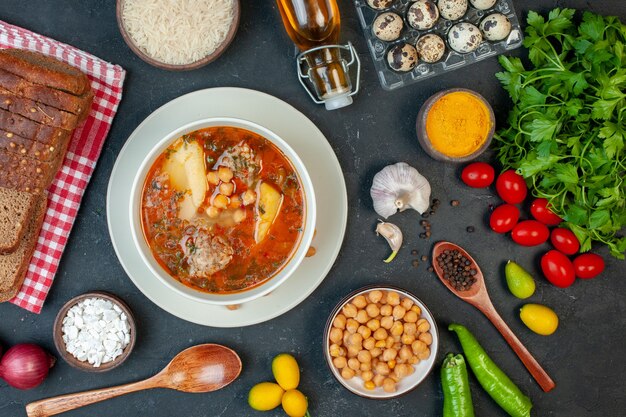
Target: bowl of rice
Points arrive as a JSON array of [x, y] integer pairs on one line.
[[178, 35]]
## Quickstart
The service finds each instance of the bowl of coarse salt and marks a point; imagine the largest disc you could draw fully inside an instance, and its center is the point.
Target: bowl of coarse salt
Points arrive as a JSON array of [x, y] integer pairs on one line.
[[94, 332]]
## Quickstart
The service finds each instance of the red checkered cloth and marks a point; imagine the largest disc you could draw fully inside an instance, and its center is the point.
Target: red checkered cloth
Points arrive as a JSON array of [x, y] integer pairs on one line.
[[66, 192]]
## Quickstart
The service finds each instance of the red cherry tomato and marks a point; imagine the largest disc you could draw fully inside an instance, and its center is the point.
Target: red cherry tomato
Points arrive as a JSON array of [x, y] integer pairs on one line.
[[540, 211], [558, 269], [588, 265], [511, 187], [564, 240], [530, 233], [478, 175], [504, 218]]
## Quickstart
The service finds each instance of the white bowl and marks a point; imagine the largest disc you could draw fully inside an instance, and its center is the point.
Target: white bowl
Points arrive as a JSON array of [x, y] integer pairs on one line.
[[246, 295], [422, 369]]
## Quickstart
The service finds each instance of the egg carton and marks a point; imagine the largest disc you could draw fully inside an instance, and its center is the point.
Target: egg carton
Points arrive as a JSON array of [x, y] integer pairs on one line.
[[451, 60]]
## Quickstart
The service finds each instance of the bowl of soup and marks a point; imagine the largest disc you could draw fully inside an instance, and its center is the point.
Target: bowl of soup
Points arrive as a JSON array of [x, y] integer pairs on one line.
[[222, 210]]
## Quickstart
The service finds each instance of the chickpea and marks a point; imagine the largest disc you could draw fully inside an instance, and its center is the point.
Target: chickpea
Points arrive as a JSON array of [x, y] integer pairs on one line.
[[378, 380], [369, 385], [410, 329], [239, 215], [418, 346], [224, 174], [424, 355], [410, 317], [374, 362], [382, 368], [391, 364], [227, 188], [352, 325], [362, 317], [407, 339], [389, 342], [405, 353], [367, 375], [220, 201], [355, 340], [353, 363], [397, 346], [381, 344], [373, 324], [340, 321], [389, 385], [374, 296], [249, 197], [402, 370], [376, 352], [407, 303], [393, 298], [212, 178], [414, 360], [335, 350], [369, 343], [386, 310], [235, 201], [426, 338], [410, 369], [383, 298], [372, 310], [364, 356], [212, 212], [367, 366], [340, 362], [389, 354], [386, 322], [423, 325], [353, 351], [364, 331], [346, 338], [397, 329], [398, 312], [359, 301], [417, 310], [336, 335], [347, 373], [394, 377], [349, 310], [380, 334]]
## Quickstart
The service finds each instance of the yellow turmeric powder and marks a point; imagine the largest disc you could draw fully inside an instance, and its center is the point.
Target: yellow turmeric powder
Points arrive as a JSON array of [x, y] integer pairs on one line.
[[458, 124]]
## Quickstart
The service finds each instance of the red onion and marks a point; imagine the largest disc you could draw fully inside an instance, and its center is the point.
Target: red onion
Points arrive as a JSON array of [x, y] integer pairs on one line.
[[25, 366]]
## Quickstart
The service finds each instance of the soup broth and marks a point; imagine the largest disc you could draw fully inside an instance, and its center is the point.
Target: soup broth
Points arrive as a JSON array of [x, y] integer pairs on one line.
[[222, 210]]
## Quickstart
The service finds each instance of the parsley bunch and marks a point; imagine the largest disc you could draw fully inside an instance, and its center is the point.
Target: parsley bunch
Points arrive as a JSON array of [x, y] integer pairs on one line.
[[568, 126]]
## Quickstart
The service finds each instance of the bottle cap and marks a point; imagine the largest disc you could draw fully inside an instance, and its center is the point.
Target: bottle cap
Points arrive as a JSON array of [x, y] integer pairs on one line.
[[338, 101]]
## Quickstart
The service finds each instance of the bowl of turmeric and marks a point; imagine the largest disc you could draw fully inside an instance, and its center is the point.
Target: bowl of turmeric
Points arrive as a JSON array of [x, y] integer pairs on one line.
[[455, 125]]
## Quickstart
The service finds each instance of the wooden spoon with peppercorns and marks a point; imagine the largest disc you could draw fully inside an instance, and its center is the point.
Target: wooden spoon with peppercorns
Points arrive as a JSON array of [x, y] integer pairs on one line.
[[461, 274]]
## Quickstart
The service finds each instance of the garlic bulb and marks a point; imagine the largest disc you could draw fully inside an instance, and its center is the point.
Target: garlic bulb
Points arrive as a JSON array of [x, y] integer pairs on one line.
[[399, 187], [393, 236]]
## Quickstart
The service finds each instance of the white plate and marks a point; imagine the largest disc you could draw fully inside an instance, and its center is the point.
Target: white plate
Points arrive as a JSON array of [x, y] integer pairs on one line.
[[303, 136]]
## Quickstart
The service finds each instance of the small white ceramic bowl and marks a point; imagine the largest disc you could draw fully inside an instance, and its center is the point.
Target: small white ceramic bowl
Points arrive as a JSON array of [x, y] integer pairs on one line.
[[246, 295], [422, 369]]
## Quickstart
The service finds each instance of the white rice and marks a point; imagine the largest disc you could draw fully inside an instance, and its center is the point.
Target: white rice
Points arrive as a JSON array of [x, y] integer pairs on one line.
[[178, 31]]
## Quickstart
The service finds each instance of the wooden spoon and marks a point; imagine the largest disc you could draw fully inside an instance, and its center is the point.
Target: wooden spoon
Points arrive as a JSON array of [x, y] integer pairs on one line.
[[478, 297], [202, 368]]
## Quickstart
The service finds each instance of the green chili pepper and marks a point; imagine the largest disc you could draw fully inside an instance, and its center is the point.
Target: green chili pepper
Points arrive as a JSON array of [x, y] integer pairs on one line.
[[457, 399], [491, 378]]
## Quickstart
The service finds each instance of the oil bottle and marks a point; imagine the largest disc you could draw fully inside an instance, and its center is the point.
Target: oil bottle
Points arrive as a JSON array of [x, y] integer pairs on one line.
[[314, 25]]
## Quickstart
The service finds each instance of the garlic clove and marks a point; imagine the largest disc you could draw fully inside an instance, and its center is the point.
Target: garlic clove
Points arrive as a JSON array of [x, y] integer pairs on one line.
[[393, 236], [399, 187]]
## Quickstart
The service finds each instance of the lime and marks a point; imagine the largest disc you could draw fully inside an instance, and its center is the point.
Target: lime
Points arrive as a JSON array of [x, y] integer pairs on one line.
[[520, 282], [540, 319]]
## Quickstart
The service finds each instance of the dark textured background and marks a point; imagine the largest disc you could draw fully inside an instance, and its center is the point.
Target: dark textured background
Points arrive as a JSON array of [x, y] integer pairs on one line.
[[584, 357]]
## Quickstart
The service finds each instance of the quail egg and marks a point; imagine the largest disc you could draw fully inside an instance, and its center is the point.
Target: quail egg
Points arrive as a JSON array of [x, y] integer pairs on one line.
[[380, 4], [495, 27], [483, 4], [430, 48], [423, 14], [464, 37], [402, 57], [452, 9], [387, 26]]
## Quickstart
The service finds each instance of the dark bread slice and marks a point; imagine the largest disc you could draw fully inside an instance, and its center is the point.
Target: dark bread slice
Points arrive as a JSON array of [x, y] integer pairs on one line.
[[16, 208], [41, 69], [13, 266], [27, 167], [50, 96], [37, 112], [21, 126], [31, 148]]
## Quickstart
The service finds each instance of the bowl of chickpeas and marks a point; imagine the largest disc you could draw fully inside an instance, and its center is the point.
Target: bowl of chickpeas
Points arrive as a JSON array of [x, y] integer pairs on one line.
[[381, 342]]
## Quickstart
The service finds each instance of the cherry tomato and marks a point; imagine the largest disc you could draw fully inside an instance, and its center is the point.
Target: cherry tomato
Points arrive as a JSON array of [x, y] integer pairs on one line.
[[558, 269], [564, 240], [588, 265], [478, 175], [530, 233], [504, 218], [540, 211], [511, 187]]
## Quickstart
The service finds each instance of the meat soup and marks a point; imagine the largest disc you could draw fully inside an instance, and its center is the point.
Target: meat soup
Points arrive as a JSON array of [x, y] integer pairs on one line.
[[222, 210]]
